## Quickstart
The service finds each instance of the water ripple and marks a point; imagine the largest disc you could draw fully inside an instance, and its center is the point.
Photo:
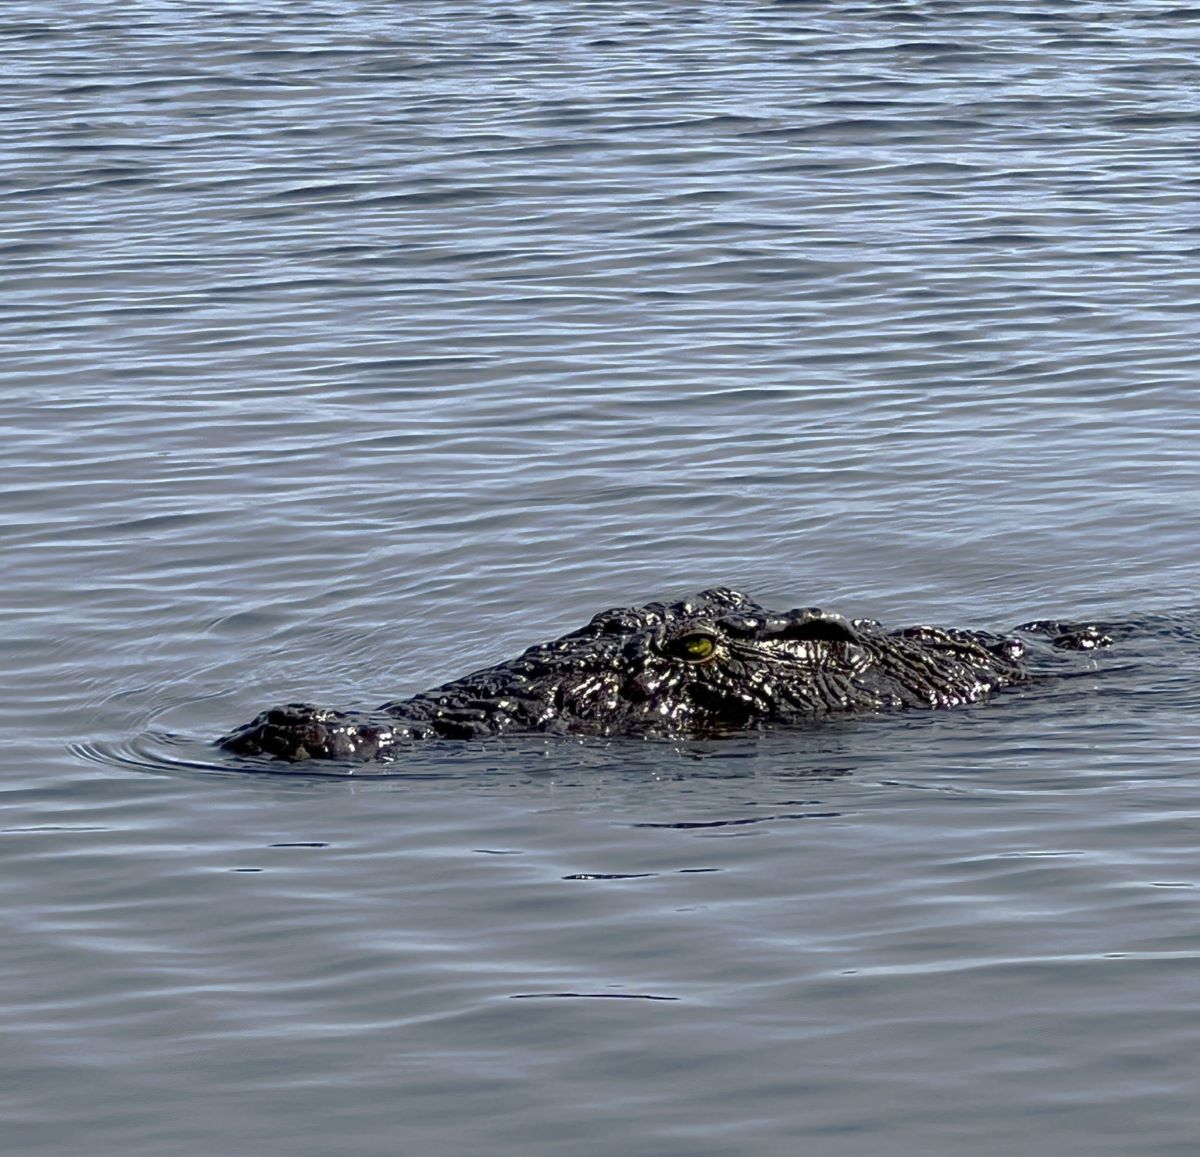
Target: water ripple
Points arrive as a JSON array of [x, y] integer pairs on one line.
[[350, 350]]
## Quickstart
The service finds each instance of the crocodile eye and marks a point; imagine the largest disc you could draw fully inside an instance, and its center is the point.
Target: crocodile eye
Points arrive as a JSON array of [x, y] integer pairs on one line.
[[694, 647]]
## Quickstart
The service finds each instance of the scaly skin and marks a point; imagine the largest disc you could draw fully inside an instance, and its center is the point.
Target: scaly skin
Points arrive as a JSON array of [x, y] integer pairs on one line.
[[714, 664]]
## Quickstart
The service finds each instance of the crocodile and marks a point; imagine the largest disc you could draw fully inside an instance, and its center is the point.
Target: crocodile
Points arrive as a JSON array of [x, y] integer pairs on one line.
[[711, 665]]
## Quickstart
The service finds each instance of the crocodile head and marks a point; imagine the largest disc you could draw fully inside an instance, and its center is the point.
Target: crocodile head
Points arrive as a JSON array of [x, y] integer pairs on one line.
[[715, 663]]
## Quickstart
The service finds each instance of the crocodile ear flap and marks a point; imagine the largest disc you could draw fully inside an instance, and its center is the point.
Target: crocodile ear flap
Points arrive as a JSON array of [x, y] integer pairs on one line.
[[821, 631]]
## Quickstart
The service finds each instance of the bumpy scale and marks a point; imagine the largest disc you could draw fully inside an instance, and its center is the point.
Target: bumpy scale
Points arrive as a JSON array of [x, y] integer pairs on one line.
[[715, 664]]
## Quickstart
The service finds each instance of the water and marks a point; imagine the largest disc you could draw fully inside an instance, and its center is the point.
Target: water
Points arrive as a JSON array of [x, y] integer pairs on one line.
[[350, 347]]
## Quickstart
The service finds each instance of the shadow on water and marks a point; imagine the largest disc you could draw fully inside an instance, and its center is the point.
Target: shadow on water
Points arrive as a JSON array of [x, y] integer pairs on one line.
[[819, 753]]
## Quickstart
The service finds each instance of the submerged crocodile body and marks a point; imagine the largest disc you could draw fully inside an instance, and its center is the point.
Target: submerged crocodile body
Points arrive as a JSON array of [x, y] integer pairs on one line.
[[717, 663]]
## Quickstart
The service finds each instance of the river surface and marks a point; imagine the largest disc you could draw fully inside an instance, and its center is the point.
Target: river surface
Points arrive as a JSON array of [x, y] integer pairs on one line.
[[350, 346]]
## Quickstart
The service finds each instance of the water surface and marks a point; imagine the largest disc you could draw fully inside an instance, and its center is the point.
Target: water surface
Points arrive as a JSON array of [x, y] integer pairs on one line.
[[352, 346]]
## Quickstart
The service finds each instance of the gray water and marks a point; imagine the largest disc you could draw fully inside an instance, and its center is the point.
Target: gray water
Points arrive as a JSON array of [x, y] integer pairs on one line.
[[349, 346]]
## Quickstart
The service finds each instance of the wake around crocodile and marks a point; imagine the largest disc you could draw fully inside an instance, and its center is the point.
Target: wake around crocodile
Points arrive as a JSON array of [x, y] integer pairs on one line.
[[715, 664]]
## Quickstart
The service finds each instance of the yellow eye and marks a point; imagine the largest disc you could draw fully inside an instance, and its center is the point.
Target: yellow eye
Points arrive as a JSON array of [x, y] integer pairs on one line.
[[695, 647]]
